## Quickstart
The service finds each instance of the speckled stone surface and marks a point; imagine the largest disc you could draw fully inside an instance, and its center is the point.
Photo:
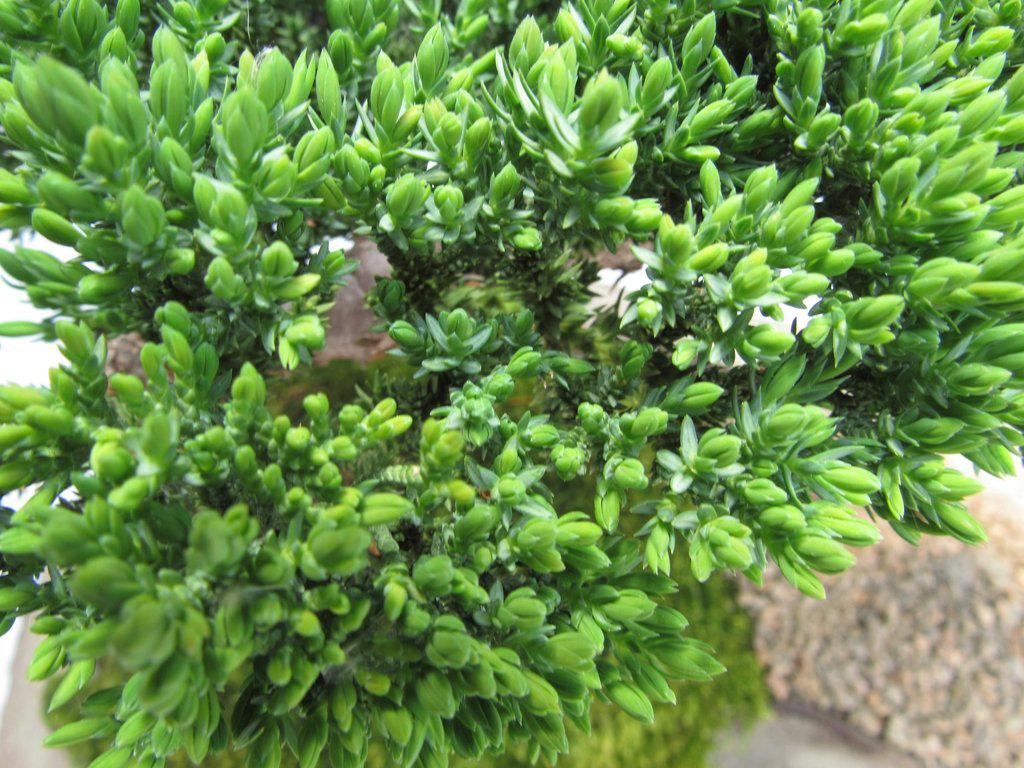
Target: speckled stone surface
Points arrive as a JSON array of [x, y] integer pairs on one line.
[[923, 648]]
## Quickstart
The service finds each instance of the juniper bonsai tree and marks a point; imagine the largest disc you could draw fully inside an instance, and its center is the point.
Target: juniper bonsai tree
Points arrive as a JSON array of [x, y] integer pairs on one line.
[[405, 572]]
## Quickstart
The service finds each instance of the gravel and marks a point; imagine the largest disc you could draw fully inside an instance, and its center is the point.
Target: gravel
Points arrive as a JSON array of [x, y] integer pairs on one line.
[[921, 647]]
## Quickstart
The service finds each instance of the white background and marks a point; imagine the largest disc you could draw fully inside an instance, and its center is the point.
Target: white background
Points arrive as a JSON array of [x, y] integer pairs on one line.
[[22, 361]]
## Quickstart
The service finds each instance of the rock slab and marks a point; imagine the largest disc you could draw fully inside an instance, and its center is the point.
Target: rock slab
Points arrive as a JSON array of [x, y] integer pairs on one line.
[[800, 740]]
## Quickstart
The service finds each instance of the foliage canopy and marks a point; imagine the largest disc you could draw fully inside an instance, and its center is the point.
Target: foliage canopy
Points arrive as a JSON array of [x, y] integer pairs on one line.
[[825, 197]]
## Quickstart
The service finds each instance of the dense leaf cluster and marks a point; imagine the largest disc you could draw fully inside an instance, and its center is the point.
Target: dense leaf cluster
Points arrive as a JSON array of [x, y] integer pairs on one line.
[[826, 202]]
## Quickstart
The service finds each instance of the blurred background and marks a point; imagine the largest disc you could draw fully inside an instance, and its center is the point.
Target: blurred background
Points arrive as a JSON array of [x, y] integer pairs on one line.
[[915, 660]]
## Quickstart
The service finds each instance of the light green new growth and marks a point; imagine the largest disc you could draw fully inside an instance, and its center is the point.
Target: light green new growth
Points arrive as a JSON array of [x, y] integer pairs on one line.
[[402, 571]]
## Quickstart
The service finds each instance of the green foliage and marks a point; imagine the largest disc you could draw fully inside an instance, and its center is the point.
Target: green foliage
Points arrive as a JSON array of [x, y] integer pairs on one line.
[[405, 572], [683, 734]]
